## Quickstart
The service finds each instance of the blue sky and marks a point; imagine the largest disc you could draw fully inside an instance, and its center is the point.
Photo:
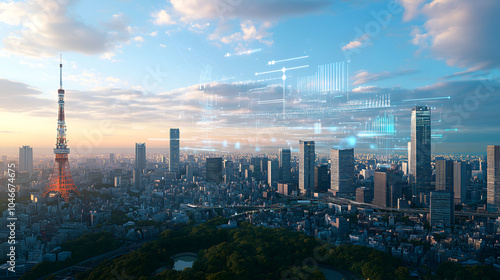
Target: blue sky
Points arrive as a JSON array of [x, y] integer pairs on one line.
[[137, 65]]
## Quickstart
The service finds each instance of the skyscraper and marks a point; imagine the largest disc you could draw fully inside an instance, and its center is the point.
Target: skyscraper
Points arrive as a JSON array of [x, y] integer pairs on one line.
[[140, 156], [307, 161], [444, 175], [342, 171], [174, 163], [273, 172], [111, 158], [460, 181], [442, 208], [420, 157], [493, 179], [387, 188], [285, 158], [321, 178], [214, 170], [26, 159], [228, 166]]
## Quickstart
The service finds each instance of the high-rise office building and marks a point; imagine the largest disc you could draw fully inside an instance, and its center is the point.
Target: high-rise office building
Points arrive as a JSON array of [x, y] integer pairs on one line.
[[273, 172], [214, 170], [388, 188], [111, 158], [409, 158], [26, 159], [189, 173], [493, 179], [263, 164], [174, 161], [444, 175], [140, 156], [307, 161], [460, 181], [342, 171], [364, 195], [420, 157], [442, 208], [228, 171], [285, 158], [321, 178]]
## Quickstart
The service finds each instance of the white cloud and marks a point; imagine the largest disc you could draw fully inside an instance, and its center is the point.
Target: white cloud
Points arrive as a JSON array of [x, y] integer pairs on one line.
[[153, 34], [139, 39], [360, 42], [108, 55], [163, 18], [249, 33], [363, 77], [366, 89], [412, 8], [461, 32], [45, 28], [246, 9]]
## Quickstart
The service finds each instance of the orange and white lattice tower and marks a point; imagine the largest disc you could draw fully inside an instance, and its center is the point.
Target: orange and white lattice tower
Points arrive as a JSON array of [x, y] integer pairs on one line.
[[61, 180]]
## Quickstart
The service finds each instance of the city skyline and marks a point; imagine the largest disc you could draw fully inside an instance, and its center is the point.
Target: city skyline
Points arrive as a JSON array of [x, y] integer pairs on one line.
[[250, 139], [218, 89]]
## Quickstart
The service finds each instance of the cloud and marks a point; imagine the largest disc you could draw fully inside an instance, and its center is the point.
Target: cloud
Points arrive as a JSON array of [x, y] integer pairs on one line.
[[246, 9], [22, 98], [139, 39], [162, 18], [412, 8], [46, 28], [360, 42], [366, 89], [249, 33], [363, 77], [461, 32]]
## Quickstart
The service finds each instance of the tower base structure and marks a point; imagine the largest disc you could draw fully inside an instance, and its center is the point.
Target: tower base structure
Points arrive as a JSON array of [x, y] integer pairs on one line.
[[61, 180]]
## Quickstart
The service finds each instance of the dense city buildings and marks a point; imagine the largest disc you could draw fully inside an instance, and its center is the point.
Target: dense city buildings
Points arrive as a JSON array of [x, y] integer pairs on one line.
[[420, 150], [493, 178], [174, 160], [26, 159], [342, 172], [307, 162]]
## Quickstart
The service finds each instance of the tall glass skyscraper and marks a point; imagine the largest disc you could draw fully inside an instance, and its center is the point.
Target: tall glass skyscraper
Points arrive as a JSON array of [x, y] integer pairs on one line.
[[140, 156], [420, 153], [174, 161], [307, 162], [285, 157], [342, 171], [493, 179], [26, 159]]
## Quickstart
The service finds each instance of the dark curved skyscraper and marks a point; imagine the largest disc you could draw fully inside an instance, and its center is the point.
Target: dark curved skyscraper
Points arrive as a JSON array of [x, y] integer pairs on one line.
[[420, 154]]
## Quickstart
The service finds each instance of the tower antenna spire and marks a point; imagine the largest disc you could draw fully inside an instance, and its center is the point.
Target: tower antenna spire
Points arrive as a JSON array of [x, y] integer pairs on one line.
[[60, 71]]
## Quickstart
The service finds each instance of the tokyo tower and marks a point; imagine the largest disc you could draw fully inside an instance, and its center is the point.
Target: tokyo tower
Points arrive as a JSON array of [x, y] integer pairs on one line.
[[61, 180]]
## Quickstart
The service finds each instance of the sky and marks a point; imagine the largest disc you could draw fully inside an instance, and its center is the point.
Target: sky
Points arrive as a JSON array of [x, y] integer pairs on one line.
[[134, 69]]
